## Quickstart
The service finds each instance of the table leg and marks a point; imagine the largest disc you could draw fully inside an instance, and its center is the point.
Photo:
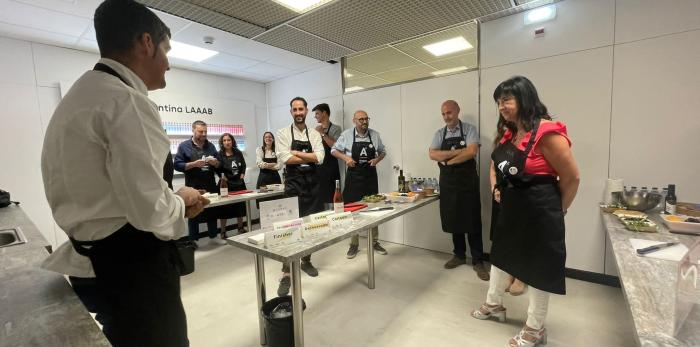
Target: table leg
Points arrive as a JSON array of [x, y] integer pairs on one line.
[[261, 293], [298, 309], [248, 216], [370, 257]]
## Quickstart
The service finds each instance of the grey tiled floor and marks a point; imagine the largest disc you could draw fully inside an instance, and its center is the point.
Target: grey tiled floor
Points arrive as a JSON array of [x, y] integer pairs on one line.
[[416, 303]]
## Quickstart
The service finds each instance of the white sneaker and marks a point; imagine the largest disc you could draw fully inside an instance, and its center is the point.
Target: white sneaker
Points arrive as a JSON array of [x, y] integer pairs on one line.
[[218, 241]]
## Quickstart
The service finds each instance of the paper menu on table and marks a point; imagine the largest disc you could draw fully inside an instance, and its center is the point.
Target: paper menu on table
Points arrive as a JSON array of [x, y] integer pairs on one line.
[[674, 253], [277, 211]]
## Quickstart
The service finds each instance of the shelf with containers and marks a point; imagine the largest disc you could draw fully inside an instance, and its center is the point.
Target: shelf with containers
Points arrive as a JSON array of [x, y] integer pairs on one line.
[[179, 132]]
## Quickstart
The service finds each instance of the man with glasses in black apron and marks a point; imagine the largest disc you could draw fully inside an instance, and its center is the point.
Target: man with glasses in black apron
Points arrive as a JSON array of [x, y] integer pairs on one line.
[[361, 149], [328, 172], [454, 147], [301, 150]]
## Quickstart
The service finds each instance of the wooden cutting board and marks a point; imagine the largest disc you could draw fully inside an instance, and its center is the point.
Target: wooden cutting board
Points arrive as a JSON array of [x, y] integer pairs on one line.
[[688, 209]]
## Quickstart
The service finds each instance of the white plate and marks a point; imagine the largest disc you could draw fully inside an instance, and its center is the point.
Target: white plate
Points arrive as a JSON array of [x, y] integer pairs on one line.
[[681, 226]]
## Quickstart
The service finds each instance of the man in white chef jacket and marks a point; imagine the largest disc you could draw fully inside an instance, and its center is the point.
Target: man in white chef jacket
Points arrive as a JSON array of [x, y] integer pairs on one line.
[[102, 165]]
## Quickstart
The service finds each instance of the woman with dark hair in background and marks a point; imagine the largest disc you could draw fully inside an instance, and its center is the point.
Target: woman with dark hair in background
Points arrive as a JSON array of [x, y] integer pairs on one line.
[[233, 171], [266, 158], [539, 182]]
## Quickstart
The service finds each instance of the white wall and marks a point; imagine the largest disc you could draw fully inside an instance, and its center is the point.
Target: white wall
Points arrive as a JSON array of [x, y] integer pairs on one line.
[[323, 85], [30, 74]]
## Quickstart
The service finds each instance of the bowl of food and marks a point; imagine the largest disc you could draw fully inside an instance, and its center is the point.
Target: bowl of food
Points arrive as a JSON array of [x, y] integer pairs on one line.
[[640, 201], [682, 223]]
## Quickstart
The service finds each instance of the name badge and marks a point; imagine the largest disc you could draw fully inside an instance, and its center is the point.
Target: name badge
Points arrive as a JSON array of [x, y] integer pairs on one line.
[[287, 224], [314, 229], [371, 146], [513, 170], [462, 143], [340, 221], [282, 236], [320, 216]]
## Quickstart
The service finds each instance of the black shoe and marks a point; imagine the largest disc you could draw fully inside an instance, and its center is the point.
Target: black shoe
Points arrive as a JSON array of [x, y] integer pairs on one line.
[[309, 268], [285, 284], [379, 249], [454, 262], [481, 271], [352, 252]]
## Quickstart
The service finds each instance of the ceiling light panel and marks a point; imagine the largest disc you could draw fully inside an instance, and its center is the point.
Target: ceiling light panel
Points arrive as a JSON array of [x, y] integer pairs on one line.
[[294, 40], [414, 47], [189, 52], [365, 24], [301, 6], [449, 46]]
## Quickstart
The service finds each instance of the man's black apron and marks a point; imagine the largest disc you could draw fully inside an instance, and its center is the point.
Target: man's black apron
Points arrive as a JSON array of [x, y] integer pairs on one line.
[[460, 207], [201, 177], [529, 239], [138, 278], [327, 173], [361, 180], [301, 179], [268, 176]]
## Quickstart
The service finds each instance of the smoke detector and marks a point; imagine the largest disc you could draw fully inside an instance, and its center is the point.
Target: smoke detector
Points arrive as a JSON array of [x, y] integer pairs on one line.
[[208, 40]]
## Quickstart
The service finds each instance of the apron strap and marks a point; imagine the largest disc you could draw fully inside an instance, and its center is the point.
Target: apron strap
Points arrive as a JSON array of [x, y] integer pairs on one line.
[[106, 69]]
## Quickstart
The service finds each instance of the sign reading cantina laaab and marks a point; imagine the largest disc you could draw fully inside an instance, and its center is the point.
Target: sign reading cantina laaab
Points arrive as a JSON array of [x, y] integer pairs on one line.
[[185, 109]]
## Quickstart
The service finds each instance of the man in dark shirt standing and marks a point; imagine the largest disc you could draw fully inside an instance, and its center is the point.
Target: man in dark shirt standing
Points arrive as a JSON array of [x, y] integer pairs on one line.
[[197, 158]]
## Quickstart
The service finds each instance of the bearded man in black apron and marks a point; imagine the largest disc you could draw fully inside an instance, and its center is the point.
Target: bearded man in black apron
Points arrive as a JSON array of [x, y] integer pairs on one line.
[[539, 182], [328, 172], [301, 150], [454, 147], [361, 149]]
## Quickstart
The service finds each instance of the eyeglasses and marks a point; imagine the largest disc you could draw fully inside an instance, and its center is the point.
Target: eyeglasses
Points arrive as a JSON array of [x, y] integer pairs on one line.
[[363, 120]]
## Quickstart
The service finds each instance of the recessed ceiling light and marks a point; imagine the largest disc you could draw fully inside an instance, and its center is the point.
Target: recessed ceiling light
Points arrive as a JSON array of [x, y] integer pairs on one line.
[[450, 70], [301, 6], [353, 89], [188, 52], [541, 14], [452, 45]]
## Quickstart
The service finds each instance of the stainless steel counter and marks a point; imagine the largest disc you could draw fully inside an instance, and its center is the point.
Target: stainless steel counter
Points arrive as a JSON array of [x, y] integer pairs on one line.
[[649, 285], [38, 307]]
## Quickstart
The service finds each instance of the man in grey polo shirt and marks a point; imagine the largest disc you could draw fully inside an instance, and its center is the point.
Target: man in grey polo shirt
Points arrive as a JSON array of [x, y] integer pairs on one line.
[[361, 149], [454, 147]]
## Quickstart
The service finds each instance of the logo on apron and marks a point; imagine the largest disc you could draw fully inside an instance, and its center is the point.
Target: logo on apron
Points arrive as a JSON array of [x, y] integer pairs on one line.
[[502, 165], [363, 152], [462, 143], [513, 170]]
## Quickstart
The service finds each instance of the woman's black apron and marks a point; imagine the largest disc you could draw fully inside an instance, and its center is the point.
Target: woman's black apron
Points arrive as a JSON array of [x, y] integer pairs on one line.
[[327, 173], [301, 179], [268, 176], [231, 167], [529, 239], [460, 207], [361, 180]]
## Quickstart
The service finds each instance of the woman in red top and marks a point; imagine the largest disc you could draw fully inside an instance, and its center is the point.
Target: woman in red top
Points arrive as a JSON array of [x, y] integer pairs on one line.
[[539, 180]]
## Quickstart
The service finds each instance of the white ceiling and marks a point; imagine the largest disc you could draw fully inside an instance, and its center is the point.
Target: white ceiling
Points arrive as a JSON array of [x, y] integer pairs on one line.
[[68, 23]]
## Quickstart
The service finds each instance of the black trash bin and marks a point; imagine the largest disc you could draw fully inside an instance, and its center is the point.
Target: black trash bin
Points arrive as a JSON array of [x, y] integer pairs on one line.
[[279, 331]]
